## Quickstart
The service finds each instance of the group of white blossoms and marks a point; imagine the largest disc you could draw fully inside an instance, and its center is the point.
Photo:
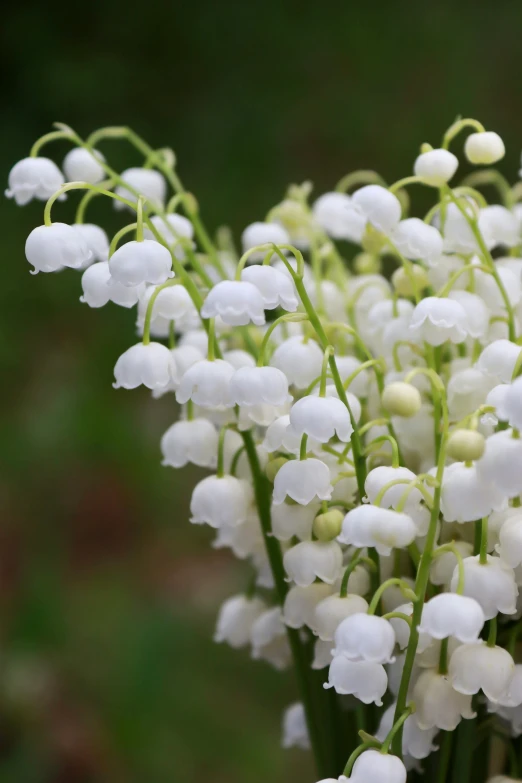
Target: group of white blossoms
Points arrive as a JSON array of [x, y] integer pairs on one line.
[[363, 442]]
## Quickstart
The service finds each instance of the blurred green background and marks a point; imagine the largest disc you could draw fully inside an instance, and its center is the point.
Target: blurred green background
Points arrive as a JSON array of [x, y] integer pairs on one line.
[[108, 596]]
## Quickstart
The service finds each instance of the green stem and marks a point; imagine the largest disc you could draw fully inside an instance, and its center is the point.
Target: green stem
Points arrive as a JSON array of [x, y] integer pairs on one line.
[[483, 558]]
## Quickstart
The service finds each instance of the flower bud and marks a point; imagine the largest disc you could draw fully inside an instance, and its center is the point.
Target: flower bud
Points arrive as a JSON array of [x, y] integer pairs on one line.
[[328, 525], [466, 445], [367, 264], [436, 167], [401, 399], [80, 165], [485, 148], [273, 466], [403, 283]]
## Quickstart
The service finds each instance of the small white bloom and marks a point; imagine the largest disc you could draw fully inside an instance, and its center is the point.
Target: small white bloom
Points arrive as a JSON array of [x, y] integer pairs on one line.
[[500, 463], [443, 566], [377, 479], [438, 319], [173, 228], [148, 183], [475, 667], [487, 288], [97, 291], [498, 226], [207, 383], [49, 248], [467, 390], [417, 240], [339, 216], [220, 501], [332, 610], [498, 360], [372, 766], [510, 539], [377, 527], [465, 496], [322, 418], [484, 148], [141, 262], [194, 440], [34, 178], [512, 403], [80, 165], [151, 365], [300, 360], [436, 167], [263, 233], [295, 730], [303, 481], [269, 640], [416, 742], [365, 637], [300, 603], [96, 240], [295, 520], [236, 617], [322, 654], [438, 704], [366, 681], [310, 560], [172, 303], [281, 437], [258, 386], [492, 584], [449, 614], [238, 303], [477, 313], [276, 289], [458, 236], [381, 208]]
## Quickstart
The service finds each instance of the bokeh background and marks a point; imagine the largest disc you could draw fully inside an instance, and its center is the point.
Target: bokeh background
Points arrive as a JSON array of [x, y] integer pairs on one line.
[[107, 595]]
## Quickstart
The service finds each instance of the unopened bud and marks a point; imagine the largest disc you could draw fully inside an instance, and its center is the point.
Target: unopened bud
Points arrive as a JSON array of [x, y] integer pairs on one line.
[[409, 283], [466, 445], [273, 467], [367, 264], [401, 399], [327, 526]]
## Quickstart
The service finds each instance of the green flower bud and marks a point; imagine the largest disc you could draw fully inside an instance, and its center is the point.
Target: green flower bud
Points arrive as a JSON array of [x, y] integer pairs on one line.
[[327, 526], [367, 264], [466, 445], [401, 399], [273, 467], [403, 282]]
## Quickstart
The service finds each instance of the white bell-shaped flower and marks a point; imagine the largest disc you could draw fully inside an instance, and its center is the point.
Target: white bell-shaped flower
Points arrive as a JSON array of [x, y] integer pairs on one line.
[[303, 481], [322, 418], [465, 496], [32, 178], [269, 639], [377, 527], [498, 360], [235, 619], [220, 501], [449, 614], [438, 704], [362, 679], [512, 696], [81, 165], [244, 540], [172, 303], [237, 302], [293, 520], [477, 666], [281, 437], [207, 383], [402, 629], [295, 730], [510, 539], [492, 584], [365, 637], [377, 479], [300, 603], [372, 766], [148, 183], [484, 148], [416, 742], [436, 167], [99, 288], [346, 366], [194, 441], [332, 610], [381, 208], [239, 358], [339, 216], [417, 240], [149, 365], [477, 313], [458, 236], [467, 390], [300, 360], [443, 566], [173, 228], [258, 386], [310, 560], [141, 262], [49, 248], [263, 233], [276, 289], [487, 288], [512, 403], [322, 655], [439, 319], [96, 240], [184, 357], [498, 226], [500, 463]]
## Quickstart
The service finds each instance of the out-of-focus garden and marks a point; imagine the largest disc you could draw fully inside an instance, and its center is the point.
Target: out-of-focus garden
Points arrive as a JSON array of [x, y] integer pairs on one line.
[[107, 595]]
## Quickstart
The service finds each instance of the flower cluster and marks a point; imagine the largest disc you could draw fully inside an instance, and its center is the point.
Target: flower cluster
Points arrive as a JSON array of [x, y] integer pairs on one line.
[[361, 430]]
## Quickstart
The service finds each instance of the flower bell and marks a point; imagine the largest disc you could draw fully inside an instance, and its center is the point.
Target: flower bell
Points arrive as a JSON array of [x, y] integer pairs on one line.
[[450, 614], [510, 539], [259, 386], [365, 637], [141, 262], [500, 463], [436, 167], [173, 228], [269, 640], [280, 436], [465, 496], [220, 501], [484, 148], [81, 165], [238, 303], [235, 620], [300, 360], [339, 216], [498, 360], [381, 208], [263, 234], [275, 288], [438, 704], [300, 603], [50, 248], [377, 527], [492, 584], [303, 481], [379, 477], [372, 766], [96, 240], [362, 679], [99, 288], [439, 319], [416, 742], [310, 560], [417, 240], [332, 610], [295, 520], [207, 383], [149, 365], [477, 666], [36, 177], [295, 730], [148, 183], [192, 440], [322, 418]]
